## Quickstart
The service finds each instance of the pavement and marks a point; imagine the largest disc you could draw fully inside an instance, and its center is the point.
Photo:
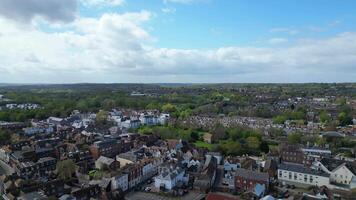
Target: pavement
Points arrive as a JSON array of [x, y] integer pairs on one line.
[[153, 196]]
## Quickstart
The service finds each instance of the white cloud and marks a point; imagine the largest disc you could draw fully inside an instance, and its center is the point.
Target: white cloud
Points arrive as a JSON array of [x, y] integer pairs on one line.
[[275, 41], [185, 1], [103, 2], [290, 31], [116, 48], [168, 10]]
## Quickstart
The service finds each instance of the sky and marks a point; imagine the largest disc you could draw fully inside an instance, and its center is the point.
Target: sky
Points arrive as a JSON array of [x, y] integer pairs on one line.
[[177, 41]]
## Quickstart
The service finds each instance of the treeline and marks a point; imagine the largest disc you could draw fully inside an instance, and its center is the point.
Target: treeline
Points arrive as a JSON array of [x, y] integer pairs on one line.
[[229, 141]]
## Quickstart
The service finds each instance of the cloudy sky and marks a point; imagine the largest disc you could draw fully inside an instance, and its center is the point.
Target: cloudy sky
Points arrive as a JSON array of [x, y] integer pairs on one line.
[[202, 41]]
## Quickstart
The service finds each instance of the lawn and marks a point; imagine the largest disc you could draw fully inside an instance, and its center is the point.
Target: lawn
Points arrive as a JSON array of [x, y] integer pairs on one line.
[[202, 144]]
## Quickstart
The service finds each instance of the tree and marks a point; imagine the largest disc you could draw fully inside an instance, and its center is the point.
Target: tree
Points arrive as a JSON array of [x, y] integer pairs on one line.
[[101, 117], [320, 141], [66, 168], [280, 119], [5, 137], [253, 142], [294, 138], [168, 108], [324, 117], [145, 130], [230, 147], [194, 135], [264, 147], [344, 119], [218, 133]]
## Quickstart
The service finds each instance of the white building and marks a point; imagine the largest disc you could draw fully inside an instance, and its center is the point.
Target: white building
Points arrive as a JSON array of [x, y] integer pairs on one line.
[[147, 119], [130, 123], [341, 172], [170, 177], [163, 118], [302, 176]]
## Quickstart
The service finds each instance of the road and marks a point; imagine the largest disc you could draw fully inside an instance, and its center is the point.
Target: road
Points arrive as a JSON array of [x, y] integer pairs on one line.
[[152, 196], [5, 168]]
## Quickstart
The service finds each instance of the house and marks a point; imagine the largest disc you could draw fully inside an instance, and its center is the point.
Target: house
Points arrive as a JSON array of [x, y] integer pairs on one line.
[[217, 155], [55, 120], [231, 164], [46, 165], [5, 154], [148, 119], [170, 177], [129, 123], [207, 137], [86, 192], [32, 196], [120, 181], [54, 188], [205, 180], [163, 118], [270, 167], [108, 148], [246, 180], [17, 146], [312, 154], [134, 173], [27, 170], [105, 163], [302, 176], [341, 172], [291, 153]]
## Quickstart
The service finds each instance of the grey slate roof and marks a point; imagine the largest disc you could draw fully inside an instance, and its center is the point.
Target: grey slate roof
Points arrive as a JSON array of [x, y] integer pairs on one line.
[[252, 175], [301, 169]]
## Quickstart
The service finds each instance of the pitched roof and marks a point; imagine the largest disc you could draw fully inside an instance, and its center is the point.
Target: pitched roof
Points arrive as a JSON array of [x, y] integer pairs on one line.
[[252, 175], [331, 164], [301, 169]]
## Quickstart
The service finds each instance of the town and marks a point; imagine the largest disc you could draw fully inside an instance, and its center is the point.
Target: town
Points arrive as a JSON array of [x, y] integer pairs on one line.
[[287, 148]]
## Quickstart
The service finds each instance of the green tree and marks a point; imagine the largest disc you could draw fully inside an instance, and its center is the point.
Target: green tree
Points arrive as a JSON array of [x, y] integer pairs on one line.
[[294, 138], [324, 117], [66, 168], [168, 108], [145, 130], [280, 119], [320, 141], [101, 117], [344, 119], [194, 135], [253, 142]]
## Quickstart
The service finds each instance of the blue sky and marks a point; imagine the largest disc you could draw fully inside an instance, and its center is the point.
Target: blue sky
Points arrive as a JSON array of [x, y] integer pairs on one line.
[[63, 41], [214, 23]]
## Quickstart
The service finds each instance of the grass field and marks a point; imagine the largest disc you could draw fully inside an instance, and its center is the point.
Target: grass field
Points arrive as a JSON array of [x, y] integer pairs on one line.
[[202, 144]]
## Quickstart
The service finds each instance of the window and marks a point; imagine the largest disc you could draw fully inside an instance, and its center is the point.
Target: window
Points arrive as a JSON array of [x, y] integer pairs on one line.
[[280, 173], [311, 178], [305, 178], [290, 175], [295, 176]]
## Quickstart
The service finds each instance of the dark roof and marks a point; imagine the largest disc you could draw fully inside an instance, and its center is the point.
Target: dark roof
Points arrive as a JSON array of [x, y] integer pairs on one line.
[[252, 175], [332, 134], [270, 165], [301, 169], [331, 164]]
